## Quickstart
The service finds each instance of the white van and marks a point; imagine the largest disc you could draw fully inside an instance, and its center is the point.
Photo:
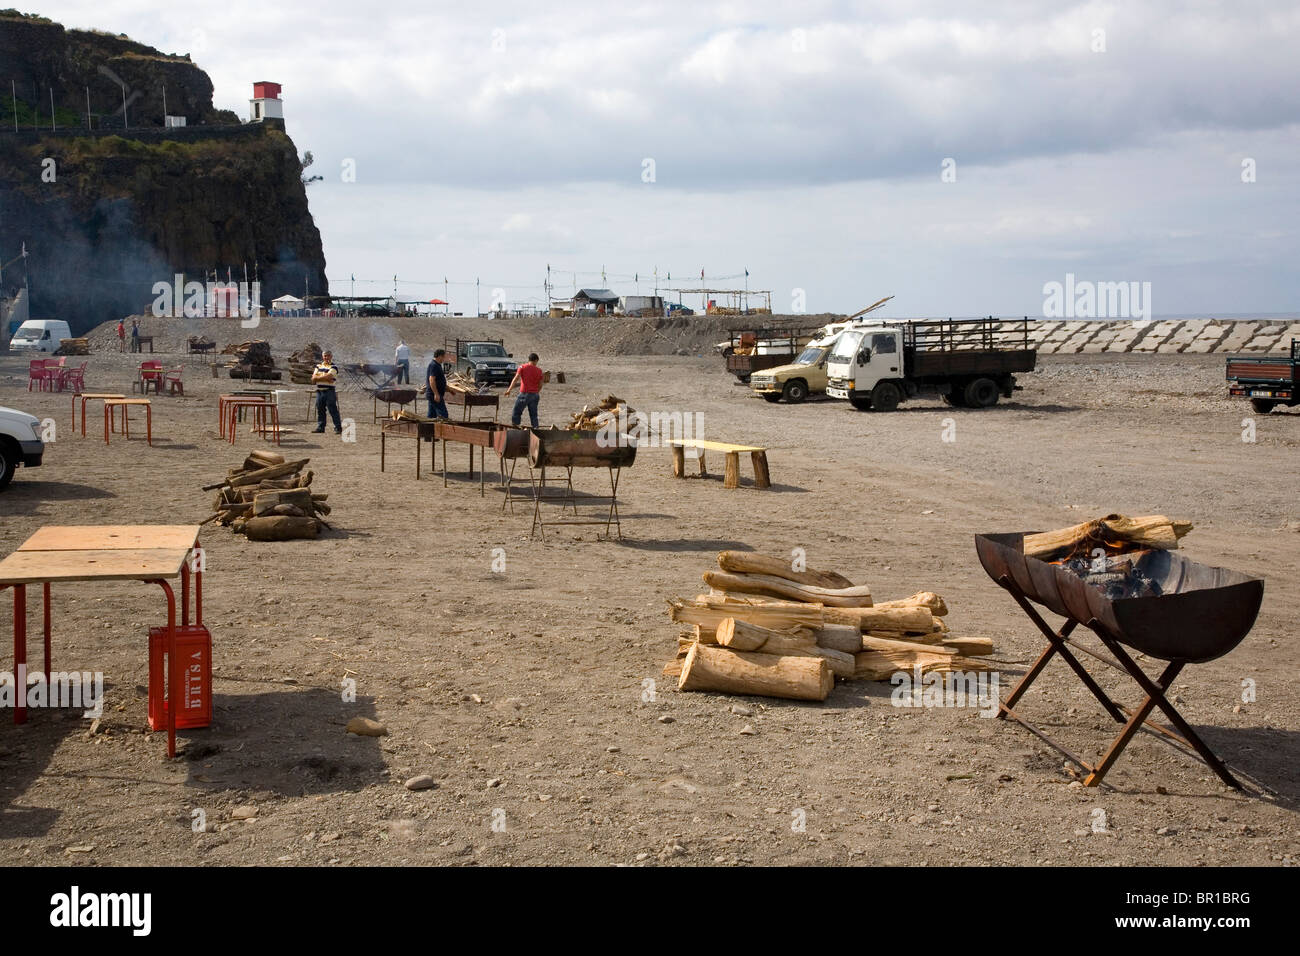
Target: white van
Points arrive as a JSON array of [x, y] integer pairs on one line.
[[39, 335]]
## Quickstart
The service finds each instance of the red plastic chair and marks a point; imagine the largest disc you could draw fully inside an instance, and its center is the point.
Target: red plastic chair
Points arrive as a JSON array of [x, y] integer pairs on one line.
[[173, 381], [151, 373], [74, 378], [36, 374]]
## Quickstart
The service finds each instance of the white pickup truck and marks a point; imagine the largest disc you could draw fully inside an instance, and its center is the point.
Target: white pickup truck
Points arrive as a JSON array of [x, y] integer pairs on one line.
[[20, 443]]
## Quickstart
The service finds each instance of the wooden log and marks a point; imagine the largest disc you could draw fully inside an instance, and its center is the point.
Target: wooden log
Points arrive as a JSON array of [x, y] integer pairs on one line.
[[871, 643], [744, 636], [899, 619], [258, 460], [275, 471], [267, 501], [881, 665], [761, 477], [839, 637], [856, 597], [679, 461], [292, 511], [969, 646], [764, 675], [742, 562], [777, 617], [920, 599], [280, 528], [731, 474], [1113, 532], [840, 663]]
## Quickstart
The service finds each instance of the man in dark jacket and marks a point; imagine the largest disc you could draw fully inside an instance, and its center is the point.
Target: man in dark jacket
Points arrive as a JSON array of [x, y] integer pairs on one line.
[[436, 380]]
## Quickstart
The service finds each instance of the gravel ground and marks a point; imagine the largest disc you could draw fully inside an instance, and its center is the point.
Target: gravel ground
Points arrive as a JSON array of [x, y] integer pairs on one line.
[[523, 693]]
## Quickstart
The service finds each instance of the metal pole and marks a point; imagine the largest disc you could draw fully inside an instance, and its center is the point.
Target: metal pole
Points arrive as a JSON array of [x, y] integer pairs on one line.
[[14, 94], [88, 108], [53, 124], [125, 125], [164, 88]]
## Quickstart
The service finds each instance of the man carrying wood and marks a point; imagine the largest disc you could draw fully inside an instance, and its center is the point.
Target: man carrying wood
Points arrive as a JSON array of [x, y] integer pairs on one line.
[[529, 377], [436, 381], [324, 377]]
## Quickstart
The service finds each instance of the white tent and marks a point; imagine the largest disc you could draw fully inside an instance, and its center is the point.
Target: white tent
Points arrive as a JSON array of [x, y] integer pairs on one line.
[[287, 303]]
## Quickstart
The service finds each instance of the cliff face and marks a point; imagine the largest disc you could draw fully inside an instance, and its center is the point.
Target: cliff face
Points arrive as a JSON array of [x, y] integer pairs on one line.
[[106, 215]]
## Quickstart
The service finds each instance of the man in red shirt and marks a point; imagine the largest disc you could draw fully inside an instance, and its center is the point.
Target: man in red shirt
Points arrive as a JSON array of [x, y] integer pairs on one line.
[[529, 377]]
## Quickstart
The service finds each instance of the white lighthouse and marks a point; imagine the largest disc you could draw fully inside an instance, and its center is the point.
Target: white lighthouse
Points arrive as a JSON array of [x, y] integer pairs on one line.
[[266, 104]]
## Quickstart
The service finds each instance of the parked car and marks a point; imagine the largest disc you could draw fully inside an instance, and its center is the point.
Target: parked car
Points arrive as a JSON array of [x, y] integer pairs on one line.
[[40, 335], [20, 443], [378, 309]]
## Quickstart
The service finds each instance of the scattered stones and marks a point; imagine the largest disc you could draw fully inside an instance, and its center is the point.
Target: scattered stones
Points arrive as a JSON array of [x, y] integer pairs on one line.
[[748, 731], [740, 710], [365, 727], [247, 812], [494, 782], [421, 781], [665, 719], [612, 750], [1166, 831]]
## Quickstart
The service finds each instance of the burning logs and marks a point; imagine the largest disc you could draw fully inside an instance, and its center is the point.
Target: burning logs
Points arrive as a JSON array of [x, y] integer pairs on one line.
[[769, 630], [1113, 534], [269, 499], [607, 410]]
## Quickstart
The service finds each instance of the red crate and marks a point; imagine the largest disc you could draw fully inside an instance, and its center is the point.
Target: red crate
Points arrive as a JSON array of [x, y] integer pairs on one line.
[[194, 651]]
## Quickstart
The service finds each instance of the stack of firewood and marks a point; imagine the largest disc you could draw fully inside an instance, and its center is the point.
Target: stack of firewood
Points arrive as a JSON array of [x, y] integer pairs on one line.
[[303, 362], [72, 347], [607, 410], [252, 360], [766, 629], [269, 499]]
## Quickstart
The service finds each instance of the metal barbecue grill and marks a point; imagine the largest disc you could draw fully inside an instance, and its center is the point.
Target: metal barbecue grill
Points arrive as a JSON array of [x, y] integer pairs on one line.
[[567, 450], [1159, 604]]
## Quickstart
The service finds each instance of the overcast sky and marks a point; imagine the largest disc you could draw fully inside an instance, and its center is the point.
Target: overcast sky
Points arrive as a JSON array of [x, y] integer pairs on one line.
[[804, 142]]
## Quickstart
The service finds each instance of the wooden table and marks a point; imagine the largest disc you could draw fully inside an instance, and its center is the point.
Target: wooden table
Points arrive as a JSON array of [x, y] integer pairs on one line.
[[731, 477], [69, 554], [124, 404], [85, 397]]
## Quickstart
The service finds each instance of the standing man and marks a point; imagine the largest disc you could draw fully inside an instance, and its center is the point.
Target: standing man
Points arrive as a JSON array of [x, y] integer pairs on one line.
[[403, 362], [436, 379], [121, 334], [529, 377], [135, 335], [324, 378]]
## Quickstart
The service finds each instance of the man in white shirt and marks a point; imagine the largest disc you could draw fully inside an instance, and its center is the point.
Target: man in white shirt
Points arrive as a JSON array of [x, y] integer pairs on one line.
[[403, 362]]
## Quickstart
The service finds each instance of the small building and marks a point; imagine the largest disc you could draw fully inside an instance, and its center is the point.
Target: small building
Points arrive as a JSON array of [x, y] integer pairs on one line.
[[594, 300], [266, 104], [287, 303], [173, 122]]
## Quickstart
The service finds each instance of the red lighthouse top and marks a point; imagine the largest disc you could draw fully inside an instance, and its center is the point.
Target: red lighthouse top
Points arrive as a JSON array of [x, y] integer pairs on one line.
[[266, 90]]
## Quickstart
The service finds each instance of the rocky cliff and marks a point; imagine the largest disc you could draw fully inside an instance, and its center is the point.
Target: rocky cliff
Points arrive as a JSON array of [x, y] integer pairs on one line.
[[108, 211]]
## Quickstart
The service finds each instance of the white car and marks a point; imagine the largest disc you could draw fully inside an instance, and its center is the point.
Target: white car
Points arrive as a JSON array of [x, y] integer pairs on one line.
[[20, 443]]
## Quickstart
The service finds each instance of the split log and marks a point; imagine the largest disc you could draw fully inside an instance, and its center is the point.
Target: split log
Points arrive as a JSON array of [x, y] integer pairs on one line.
[[764, 675], [920, 599], [970, 646], [744, 636], [778, 617], [1113, 533], [742, 562], [856, 597], [292, 511], [881, 665], [897, 619], [258, 460], [894, 645], [839, 637], [280, 528], [841, 664], [275, 471]]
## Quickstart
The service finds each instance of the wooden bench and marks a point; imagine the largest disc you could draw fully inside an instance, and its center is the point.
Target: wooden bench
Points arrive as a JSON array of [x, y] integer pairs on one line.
[[731, 477]]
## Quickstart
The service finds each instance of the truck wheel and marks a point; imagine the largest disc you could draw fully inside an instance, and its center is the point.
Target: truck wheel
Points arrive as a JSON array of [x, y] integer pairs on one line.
[[8, 463], [859, 401], [795, 391], [885, 397], [955, 398], [773, 397], [981, 393], [743, 378], [1262, 405]]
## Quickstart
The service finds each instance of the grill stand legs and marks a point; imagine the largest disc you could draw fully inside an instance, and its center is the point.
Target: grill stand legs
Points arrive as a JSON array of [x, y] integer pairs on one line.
[[1133, 720]]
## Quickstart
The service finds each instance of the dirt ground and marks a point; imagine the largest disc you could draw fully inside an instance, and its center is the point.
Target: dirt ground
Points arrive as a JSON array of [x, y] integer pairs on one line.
[[523, 692]]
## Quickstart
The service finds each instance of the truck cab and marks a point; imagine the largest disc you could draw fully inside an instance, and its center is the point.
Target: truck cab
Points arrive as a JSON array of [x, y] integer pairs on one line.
[[863, 358], [20, 443]]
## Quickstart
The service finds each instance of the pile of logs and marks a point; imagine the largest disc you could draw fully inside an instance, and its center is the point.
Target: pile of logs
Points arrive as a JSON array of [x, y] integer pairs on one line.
[[595, 417], [252, 360], [269, 499], [1113, 534], [303, 362], [72, 347], [769, 630]]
